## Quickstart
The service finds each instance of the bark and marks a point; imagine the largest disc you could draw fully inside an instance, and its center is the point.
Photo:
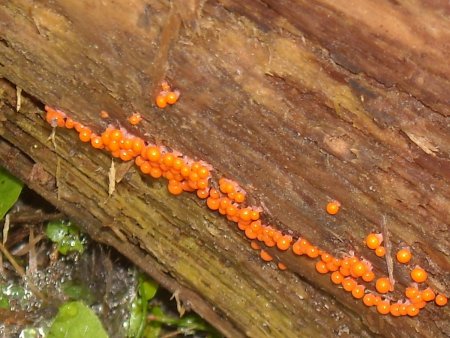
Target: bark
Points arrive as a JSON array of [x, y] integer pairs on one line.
[[299, 101]]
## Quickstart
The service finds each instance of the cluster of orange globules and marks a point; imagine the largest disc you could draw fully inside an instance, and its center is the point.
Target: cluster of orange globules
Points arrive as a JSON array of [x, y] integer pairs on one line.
[[166, 95], [228, 199]]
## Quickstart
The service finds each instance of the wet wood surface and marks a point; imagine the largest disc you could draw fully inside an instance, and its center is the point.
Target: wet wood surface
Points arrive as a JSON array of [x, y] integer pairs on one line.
[[299, 101]]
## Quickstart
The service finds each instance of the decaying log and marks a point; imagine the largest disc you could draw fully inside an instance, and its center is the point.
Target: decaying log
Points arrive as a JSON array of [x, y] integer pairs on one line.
[[299, 101]]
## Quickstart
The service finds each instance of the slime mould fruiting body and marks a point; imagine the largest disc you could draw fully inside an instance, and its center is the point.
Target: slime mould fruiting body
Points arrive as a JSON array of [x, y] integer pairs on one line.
[[184, 174]]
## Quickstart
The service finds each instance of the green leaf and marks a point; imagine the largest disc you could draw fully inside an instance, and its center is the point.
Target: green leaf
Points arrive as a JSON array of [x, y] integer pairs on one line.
[[56, 231], [147, 289], [76, 320], [153, 330], [10, 188], [4, 302], [65, 235], [138, 316], [161, 317]]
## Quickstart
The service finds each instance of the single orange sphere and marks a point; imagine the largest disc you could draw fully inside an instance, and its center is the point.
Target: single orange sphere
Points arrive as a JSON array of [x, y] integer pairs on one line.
[[333, 207], [281, 266], [249, 233], [255, 245], [85, 135], [326, 257], [383, 307], [153, 153], [135, 118], [265, 256], [284, 242], [419, 275], [213, 203], [70, 123], [337, 277], [373, 241], [428, 295], [116, 135], [145, 167], [175, 188], [369, 299], [411, 292], [368, 276], [321, 267], [155, 173], [239, 197], [245, 214], [167, 159], [404, 256], [395, 310], [172, 97], [358, 269], [380, 251], [345, 271], [203, 193], [349, 284], [161, 101], [441, 300], [232, 210], [358, 292], [312, 251], [412, 310], [383, 285]]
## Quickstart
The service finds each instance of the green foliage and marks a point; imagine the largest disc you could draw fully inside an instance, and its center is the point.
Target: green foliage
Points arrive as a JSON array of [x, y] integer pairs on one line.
[[148, 321], [10, 188], [11, 292], [77, 291], [66, 236], [138, 317], [76, 320], [4, 301], [29, 332]]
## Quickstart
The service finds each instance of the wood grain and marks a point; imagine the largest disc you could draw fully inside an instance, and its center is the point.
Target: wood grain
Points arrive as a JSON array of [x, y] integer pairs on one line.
[[299, 101]]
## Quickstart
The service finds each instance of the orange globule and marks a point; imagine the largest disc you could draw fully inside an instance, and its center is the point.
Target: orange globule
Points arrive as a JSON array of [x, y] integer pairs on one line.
[[135, 118], [380, 251], [349, 284], [369, 299], [281, 266], [412, 310], [428, 295], [441, 300], [358, 292], [321, 267], [333, 207], [172, 97], [404, 256], [284, 242], [419, 275], [368, 276], [85, 135], [265, 256], [383, 285], [373, 240], [161, 101], [383, 307], [337, 277], [358, 269]]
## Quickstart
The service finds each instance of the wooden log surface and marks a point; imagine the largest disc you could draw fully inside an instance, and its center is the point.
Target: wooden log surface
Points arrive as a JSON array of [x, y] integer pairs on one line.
[[299, 101]]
